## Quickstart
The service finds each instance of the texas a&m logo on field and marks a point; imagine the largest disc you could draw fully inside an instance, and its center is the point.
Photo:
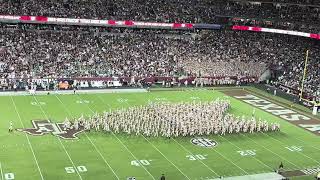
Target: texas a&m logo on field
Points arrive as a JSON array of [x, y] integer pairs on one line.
[[42, 127]]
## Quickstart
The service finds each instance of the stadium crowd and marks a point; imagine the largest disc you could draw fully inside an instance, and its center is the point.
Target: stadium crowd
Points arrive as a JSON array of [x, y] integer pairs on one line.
[[32, 51], [35, 51], [58, 54], [193, 11]]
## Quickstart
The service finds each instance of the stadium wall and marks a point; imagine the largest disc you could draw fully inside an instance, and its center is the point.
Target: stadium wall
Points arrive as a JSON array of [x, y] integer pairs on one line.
[[279, 92]]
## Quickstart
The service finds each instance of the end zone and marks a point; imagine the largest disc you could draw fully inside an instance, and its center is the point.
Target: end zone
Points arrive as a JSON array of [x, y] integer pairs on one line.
[[299, 119]]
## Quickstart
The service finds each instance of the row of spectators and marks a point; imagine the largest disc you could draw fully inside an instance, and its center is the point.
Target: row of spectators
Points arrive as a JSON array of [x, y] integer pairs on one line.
[[27, 52], [191, 11], [139, 53], [299, 2]]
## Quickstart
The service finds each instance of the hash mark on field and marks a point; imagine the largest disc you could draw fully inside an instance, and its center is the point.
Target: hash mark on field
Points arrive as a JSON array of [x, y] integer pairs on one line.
[[34, 156]]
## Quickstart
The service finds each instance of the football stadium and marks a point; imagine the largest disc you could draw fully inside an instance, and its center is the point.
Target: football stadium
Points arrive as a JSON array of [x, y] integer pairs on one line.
[[159, 90]]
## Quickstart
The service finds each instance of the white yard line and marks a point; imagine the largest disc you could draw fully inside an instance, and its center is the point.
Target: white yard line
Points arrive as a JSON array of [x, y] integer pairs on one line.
[[33, 153], [297, 151], [166, 157], [185, 149], [1, 171], [152, 144], [253, 156], [284, 105], [305, 143], [158, 149], [95, 147], [271, 151], [123, 144], [229, 160], [226, 157], [64, 148], [193, 155]]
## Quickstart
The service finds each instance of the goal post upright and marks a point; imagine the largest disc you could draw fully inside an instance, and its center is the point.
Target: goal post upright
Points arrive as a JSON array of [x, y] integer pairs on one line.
[[304, 74], [314, 103]]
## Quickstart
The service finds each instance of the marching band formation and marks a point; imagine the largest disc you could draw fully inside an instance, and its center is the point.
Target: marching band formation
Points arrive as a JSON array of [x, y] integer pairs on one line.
[[173, 119]]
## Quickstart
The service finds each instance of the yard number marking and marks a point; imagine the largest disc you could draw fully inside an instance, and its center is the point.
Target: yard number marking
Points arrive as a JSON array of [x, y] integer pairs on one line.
[[247, 152], [140, 162], [121, 100], [311, 170], [37, 103], [70, 170], [194, 98], [9, 176], [203, 142], [294, 148], [83, 102], [197, 157], [160, 99]]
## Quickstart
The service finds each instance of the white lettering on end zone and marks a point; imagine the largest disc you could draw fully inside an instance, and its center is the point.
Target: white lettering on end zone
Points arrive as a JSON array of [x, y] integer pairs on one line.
[[274, 109], [311, 171], [311, 127]]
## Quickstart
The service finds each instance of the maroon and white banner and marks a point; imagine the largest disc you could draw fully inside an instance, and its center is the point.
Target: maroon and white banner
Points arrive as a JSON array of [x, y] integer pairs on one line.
[[278, 31], [94, 22], [138, 24]]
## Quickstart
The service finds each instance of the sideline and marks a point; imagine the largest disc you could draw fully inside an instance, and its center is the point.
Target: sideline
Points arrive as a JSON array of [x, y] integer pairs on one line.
[[86, 91]]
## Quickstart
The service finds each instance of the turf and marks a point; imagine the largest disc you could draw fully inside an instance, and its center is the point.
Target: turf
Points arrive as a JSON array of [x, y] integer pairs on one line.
[[107, 156]]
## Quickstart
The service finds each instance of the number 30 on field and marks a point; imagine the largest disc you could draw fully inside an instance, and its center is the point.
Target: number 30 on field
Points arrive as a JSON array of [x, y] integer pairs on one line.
[[73, 169]]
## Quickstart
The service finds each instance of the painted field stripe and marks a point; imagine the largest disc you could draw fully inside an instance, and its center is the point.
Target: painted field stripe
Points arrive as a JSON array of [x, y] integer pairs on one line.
[[285, 105], [281, 103], [271, 151], [259, 161], [163, 154], [298, 151], [194, 155], [185, 149], [262, 132], [306, 144], [95, 147], [226, 157], [165, 157], [122, 142], [64, 148], [1, 171], [30, 145], [253, 156]]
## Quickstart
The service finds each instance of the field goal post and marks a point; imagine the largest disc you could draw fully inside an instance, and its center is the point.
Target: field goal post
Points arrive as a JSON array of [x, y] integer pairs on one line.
[[316, 105]]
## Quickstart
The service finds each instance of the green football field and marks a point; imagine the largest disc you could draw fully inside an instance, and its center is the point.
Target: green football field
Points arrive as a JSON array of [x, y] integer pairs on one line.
[[108, 156]]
